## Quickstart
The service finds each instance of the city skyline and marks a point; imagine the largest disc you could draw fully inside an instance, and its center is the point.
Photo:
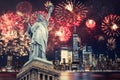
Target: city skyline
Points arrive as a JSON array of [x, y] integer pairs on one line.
[[83, 40], [95, 37]]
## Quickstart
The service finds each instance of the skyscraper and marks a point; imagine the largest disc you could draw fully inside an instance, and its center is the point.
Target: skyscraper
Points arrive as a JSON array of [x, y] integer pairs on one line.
[[87, 57], [66, 58], [75, 63], [9, 63]]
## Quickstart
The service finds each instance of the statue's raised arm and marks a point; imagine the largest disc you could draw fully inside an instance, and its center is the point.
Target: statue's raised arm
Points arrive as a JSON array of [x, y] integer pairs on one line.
[[50, 7]]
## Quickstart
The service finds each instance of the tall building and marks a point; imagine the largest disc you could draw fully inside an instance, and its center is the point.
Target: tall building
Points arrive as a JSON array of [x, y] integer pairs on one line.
[[66, 55], [9, 63], [57, 55], [56, 61], [87, 57], [75, 63], [66, 58]]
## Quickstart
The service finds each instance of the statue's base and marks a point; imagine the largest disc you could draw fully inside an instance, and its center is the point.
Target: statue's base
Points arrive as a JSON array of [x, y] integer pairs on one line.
[[38, 69]]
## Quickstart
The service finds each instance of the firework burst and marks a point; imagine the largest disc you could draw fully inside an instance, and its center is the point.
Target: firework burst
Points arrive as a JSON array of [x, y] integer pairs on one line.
[[63, 33], [70, 13], [111, 44], [12, 34], [10, 24], [23, 8], [111, 25], [90, 23]]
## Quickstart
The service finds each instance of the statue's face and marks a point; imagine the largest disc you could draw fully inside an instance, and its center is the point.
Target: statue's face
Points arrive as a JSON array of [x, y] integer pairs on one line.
[[40, 18]]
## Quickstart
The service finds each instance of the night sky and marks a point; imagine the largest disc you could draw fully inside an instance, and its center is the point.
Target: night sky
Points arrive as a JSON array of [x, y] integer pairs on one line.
[[97, 10]]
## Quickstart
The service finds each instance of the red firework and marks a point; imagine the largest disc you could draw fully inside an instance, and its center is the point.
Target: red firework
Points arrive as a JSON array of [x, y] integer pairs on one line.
[[90, 23], [57, 36], [63, 33], [24, 8], [10, 23], [111, 25], [70, 13]]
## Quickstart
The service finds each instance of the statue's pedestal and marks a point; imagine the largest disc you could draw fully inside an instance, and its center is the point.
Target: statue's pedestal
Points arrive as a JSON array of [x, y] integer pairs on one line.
[[38, 69]]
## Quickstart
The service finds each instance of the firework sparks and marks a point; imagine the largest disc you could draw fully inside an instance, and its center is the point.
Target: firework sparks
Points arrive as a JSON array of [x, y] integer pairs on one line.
[[23, 8], [12, 28], [100, 38], [111, 44], [10, 24], [70, 13], [90, 23], [63, 33], [111, 25], [69, 6], [114, 27]]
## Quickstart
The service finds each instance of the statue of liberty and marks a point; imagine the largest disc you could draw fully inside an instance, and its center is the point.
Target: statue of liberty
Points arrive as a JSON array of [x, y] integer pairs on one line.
[[38, 34]]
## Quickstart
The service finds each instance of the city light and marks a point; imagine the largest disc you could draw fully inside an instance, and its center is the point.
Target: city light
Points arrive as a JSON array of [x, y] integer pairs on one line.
[[67, 15], [3, 69]]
